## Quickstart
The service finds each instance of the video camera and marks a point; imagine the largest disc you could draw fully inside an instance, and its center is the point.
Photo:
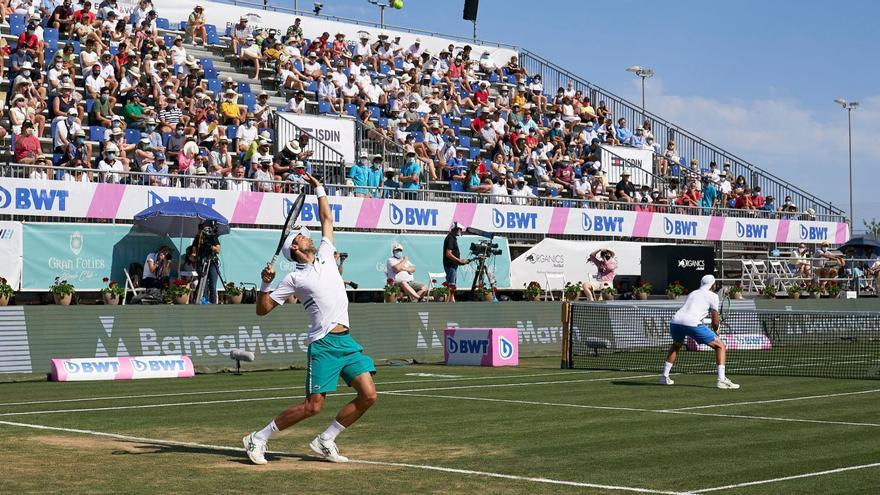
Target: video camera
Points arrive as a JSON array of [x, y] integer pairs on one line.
[[484, 249], [209, 228]]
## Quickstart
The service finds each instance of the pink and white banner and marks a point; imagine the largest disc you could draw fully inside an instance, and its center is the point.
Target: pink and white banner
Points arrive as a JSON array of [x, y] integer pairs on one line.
[[481, 347], [122, 202], [121, 368]]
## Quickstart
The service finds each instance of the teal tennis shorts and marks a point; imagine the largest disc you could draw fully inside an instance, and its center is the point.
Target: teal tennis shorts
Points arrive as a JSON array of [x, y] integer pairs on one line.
[[335, 355]]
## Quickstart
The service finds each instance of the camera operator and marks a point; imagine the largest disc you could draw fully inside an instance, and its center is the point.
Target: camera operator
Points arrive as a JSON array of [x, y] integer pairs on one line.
[[452, 259], [606, 265], [157, 267], [207, 248]]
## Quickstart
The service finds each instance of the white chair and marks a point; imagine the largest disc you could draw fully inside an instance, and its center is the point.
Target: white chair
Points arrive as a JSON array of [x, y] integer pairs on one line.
[[548, 276], [130, 287], [435, 276]]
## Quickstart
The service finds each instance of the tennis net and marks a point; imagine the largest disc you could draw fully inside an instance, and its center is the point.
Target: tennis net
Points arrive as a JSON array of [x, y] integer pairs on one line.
[[833, 344]]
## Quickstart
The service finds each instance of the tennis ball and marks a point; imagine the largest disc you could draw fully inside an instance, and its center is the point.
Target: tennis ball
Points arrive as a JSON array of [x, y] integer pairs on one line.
[[397, 4]]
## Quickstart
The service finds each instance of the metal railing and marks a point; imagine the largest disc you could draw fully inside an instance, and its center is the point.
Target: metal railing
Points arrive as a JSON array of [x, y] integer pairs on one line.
[[376, 142], [688, 145], [178, 180], [779, 274], [325, 161]]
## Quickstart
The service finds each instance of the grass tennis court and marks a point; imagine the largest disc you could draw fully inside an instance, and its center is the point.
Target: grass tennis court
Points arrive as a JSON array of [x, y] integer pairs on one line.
[[436, 429]]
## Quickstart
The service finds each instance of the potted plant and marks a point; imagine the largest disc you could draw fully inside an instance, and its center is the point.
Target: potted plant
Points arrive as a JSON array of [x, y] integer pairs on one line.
[[674, 289], [794, 292], [608, 293], [572, 291], [736, 292], [232, 293], [439, 292], [178, 292], [769, 292], [112, 293], [6, 292], [833, 290], [483, 294], [533, 291], [392, 291], [62, 292], [643, 291], [814, 289]]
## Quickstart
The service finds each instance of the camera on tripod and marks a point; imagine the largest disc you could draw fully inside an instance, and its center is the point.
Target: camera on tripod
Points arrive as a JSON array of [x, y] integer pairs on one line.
[[484, 249], [209, 228]]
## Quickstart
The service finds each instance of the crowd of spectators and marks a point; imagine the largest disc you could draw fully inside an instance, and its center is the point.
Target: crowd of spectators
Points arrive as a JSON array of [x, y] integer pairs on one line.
[[119, 96]]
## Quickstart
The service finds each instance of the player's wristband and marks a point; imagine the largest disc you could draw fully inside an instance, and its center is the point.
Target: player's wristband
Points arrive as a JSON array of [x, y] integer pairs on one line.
[[265, 286], [320, 192]]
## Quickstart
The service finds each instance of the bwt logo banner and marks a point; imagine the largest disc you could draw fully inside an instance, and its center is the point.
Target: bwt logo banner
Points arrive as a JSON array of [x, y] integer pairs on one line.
[[814, 233], [602, 223], [505, 348], [514, 219], [309, 211], [155, 199], [687, 228], [91, 367], [158, 364], [31, 198], [751, 231], [412, 216], [468, 346]]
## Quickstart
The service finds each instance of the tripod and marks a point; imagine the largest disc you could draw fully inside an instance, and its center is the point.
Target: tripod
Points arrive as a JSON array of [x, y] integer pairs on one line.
[[483, 276], [207, 264]]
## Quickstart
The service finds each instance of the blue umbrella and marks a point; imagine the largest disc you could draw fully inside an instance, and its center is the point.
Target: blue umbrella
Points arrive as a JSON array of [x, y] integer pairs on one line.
[[179, 217]]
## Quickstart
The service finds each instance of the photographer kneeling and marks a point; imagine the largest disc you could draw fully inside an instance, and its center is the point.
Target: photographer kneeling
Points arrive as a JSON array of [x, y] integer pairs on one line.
[[157, 268], [400, 270], [606, 265]]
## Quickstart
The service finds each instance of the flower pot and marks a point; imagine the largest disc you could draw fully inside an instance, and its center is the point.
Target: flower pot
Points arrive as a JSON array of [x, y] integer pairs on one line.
[[110, 298], [642, 296], [671, 295], [4, 300], [607, 296], [736, 295], [535, 297], [796, 295], [182, 299], [484, 296], [815, 295], [391, 298], [236, 299], [62, 300], [770, 296]]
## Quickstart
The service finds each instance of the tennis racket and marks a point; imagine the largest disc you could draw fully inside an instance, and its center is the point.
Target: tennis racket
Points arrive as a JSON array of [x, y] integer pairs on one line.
[[724, 311], [289, 222]]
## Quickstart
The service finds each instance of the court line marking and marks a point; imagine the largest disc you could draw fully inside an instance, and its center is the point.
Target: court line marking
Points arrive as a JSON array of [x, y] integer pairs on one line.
[[258, 399], [634, 409], [770, 401], [425, 467], [271, 389], [787, 478]]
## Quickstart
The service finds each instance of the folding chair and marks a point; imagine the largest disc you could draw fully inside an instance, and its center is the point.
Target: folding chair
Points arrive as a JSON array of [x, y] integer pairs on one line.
[[130, 286], [435, 276], [548, 276]]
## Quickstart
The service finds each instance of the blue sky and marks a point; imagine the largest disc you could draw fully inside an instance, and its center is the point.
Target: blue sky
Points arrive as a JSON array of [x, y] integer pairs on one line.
[[755, 77]]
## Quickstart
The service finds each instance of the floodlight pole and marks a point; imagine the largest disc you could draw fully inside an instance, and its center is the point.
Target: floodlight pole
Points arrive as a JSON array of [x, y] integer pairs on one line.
[[381, 6], [475, 31], [849, 106]]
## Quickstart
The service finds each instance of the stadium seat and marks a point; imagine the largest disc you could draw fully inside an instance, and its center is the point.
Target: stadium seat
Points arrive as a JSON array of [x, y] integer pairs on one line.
[[132, 136], [352, 110], [382, 122], [89, 103], [511, 80], [207, 63], [464, 141], [455, 186], [50, 36], [211, 74], [16, 24], [162, 23], [96, 133], [244, 87], [215, 86], [76, 46], [493, 78], [166, 136], [213, 39], [375, 112], [447, 120], [183, 25], [230, 132], [465, 122], [384, 69], [298, 65], [249, 99], [324, 107], [475, 152], [211, 29], [420, 136], [169, 40]]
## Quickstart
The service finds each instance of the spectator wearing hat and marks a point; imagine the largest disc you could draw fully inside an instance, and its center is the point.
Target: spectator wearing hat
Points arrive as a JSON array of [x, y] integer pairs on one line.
[[221, 160], [359, 174], [20, 111], [78, 152], [262, 149], [625, 191], [124, 148], [769, 206], [143, 154], [709, 194], [171, 114], [109, 166], [133, 111], [251, 53], [195, 26], [263, 111], [200, 175], [241, 31], [263, 174], [410, 174], [327, 92], [157, 171], [41, 169], [725, 188], [374, 175], [400, 271]]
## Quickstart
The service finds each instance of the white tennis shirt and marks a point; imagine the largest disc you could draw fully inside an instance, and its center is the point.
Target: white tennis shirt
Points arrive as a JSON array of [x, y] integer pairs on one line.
[[320, 289], [696, 307]]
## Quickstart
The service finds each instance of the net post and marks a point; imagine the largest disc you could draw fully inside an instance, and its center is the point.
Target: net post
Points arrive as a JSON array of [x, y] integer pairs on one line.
[[565, 362]]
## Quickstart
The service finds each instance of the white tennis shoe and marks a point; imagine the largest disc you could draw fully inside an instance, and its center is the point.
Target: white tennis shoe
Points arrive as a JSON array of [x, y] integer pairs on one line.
[[327, 449], [727, 384], [665, 380], [255, 448]]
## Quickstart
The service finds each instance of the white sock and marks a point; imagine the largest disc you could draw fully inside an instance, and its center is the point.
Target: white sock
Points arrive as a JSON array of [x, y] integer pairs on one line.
[[333, 430], [667, 367], [721, 375], [266, 433]]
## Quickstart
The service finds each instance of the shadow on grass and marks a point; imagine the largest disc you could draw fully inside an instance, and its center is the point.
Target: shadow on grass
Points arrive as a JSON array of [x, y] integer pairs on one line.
[[147, 448], [630, 383]]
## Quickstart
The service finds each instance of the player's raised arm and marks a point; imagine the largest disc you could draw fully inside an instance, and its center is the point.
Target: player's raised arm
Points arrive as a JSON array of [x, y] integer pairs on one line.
[[324, 212]]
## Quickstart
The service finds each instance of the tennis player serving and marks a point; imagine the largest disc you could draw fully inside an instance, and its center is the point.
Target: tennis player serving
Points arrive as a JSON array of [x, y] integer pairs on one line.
[[688, 322], [332, 352]]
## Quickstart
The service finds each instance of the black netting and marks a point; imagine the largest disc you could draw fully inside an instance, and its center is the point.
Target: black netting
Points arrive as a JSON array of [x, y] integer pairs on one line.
[[833, 344]]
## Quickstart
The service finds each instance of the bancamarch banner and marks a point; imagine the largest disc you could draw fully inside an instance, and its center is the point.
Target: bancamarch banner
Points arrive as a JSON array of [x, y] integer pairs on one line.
[[117, 201], [84, 254], [206, 334]]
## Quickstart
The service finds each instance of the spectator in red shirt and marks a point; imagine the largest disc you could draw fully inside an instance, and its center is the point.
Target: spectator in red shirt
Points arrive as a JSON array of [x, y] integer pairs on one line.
[[29, 40], [477, 124], [564, 173], [757, 200], [85, 16], [27, 145]]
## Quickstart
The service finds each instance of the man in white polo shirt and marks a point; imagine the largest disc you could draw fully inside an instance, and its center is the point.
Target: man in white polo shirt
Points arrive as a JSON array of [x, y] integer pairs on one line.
[[317, 283], [688, 322]]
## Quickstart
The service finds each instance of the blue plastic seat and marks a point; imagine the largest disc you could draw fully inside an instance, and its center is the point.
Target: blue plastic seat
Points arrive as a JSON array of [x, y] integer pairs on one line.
[[96, 133], [183, 25], [351, 109], [474, 152], [465, 122], [211, 74], [50, 36], [382, 122], [312, 87], [207, 63], [455, 186], [464, 141], [166, 136], [230, 132], [249, 99], [244, 87], [211, 29], [323, 107], [132, 136], [375, 113], [215, 86], [213, 39], [162, 23]]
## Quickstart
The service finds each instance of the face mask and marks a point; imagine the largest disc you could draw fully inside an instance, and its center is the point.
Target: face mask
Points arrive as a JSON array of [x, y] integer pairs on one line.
[[104, 98], [111, 156], [251, 123], [26, 73], [29, 131], [71, 118], [179, 133], [398, 254], [95, 73], [59, 66], [150, 127]]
